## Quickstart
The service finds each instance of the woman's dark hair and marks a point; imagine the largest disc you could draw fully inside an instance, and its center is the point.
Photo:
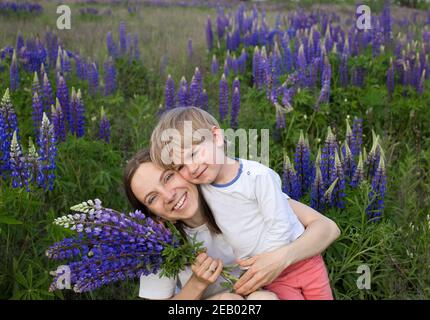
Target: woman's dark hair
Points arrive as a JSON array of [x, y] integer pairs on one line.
[[143, 156]]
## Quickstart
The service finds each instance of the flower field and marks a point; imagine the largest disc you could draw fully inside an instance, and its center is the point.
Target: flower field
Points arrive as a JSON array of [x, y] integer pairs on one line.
[[348, 112]]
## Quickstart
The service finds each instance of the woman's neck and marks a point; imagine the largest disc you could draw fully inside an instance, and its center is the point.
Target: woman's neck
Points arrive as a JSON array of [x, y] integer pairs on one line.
[[196, 221]]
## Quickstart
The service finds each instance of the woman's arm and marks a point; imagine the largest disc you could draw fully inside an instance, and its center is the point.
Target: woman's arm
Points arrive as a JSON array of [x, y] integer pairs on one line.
[[320, 232]]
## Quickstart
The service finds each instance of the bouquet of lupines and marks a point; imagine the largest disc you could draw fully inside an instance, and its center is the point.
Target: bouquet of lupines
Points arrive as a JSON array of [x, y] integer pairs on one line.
[[109, 246]]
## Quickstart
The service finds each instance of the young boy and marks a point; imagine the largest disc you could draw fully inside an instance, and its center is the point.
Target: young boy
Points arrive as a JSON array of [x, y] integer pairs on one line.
[[245, 196]]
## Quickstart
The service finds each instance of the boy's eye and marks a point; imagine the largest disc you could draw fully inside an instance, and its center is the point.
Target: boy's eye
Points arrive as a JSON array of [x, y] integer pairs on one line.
[[167, 177], [180, 167]]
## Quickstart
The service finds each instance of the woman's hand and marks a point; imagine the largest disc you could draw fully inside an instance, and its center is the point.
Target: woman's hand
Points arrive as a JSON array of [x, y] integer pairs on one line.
[[206, 270], [263, 269], [319, 233]]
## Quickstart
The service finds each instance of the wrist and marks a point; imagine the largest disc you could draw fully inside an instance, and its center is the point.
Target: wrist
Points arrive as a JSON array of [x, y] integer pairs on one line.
[[198, 284], [288, 257]]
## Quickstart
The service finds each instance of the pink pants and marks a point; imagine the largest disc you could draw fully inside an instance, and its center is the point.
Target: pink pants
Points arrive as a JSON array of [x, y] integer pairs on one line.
[[304, 280]]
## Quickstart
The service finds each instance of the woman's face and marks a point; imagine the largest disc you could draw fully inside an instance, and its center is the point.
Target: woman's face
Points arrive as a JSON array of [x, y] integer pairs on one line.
[[166, 193]]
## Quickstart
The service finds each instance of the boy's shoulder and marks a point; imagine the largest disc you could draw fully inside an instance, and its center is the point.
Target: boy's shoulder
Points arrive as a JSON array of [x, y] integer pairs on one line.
[[254, 168]]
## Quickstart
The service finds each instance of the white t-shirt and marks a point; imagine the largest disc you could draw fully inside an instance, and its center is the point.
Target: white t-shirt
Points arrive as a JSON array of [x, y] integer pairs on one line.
[[252, 211], [154, 287]]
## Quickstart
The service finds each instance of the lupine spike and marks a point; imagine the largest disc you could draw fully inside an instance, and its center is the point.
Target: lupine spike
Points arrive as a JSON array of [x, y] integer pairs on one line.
[[47, 94], [17, 163], [48, 153], [358, 176], [317, 191], [223, 98], [377, 193], [303, 164], [14, 73], [235, 107], [169, 93], [290, 185], [214, 65], [104, 130]]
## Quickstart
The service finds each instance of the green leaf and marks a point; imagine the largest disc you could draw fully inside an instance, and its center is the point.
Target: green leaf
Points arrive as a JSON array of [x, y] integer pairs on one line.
[[9, 220]]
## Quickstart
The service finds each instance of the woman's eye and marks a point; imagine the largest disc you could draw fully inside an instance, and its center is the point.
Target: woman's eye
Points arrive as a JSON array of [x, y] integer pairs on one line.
[[151, 199]]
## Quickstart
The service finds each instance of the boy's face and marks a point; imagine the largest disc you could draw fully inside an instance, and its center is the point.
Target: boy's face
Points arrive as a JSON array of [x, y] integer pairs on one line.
[[202, 162]]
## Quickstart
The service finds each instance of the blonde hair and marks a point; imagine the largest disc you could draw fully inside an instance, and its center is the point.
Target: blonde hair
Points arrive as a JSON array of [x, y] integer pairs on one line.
[[175, 119]]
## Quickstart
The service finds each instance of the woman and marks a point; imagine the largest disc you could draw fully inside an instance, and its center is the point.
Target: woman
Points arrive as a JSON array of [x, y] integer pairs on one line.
[[157, 191]]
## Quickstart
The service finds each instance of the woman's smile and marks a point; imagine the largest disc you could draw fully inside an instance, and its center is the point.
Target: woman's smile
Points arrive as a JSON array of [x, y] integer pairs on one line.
[[181, 204]]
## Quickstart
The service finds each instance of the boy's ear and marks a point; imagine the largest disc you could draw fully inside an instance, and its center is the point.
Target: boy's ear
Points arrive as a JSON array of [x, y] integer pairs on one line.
[[218, 136]]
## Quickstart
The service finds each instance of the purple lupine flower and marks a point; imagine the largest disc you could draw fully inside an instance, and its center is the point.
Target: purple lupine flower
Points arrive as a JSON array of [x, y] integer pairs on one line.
[[372, 160], [194, 92], [290, 184], [35, 86], [14, 73], [122, 38], [204, 100], [377, 193], [235, 107], [77, 119], [343, 70], [37, 112], [243, 61], [47, 94], [58, 121], [390, 79], [104, 129], [357, 136], [93, 79], [348, 162], [67, 67], [169, 93], [303, 164], [19, 42], [8, 125], [17, 164], [79, 67], [136, 47], [420, 87], [47, 154], [120, 245], [328, 158], [358, 176], [59, 62], [214, 65], [226, 70], [317, 190], [386, 23], [183, 93], [199, 80], [32, 163], [336, 192], [109, 76], [111, 45], [63, 98], [209, 34], [223, 98]]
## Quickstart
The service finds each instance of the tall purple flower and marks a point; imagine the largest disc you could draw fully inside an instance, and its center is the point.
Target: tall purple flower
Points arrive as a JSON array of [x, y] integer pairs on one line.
[[372, 160], [169, 93], [14, 73], [256, 60], [357, 136], [303, 164], [223, 98], [348, 162], [104, 129], [377, 193], [48, 100], [195, 92], [35, 86], [204, 100], [209, 34], [93, 79], [37, 112], [47, 154], [109, 76], [290, 185], [235, 107], [17, 164], [58, 120], [328, 158], [318, 190], [122, 38], [343, 70], [338, 193], [8, 125], [183, 93], [111, 45], [63, 97], [77, 118], [358, 176], [214, 65]]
